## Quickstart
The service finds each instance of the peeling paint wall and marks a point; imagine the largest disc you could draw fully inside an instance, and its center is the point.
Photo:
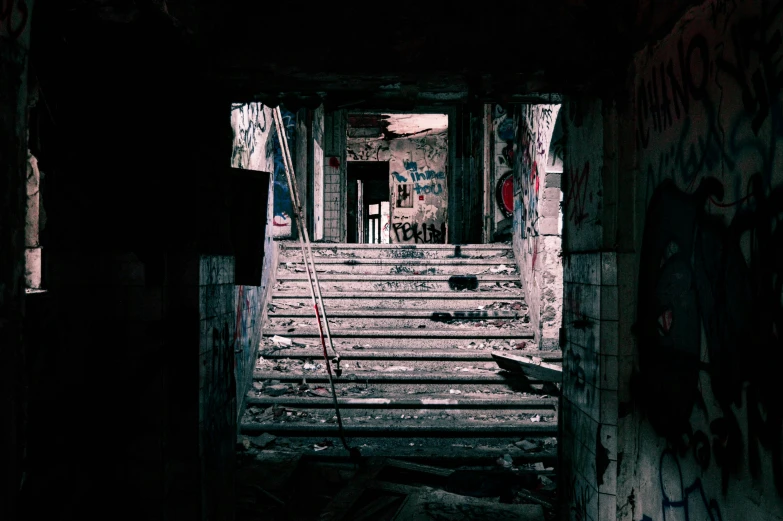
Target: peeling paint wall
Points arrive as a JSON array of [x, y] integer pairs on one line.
[[417, 184], [256, 147], [536, 199], [705, 440]]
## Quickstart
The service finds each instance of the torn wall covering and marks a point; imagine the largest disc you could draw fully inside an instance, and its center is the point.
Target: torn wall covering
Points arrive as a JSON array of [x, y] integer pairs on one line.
[[709, 208], [417, 184], [536, 200]]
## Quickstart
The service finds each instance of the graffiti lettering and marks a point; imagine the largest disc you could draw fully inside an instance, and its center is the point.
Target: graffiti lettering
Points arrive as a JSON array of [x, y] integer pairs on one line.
[[574, 205], [427, 234], [654, 101]]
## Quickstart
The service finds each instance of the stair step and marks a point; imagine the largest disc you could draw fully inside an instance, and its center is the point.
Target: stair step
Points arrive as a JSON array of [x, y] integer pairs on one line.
[[401, 251], [431, 402], [374, 377], [484, 333], [350, 261], [445, 429], [332, 277], [429, 295], [429, 355], [437, 315], [428, 451], [395, 246]]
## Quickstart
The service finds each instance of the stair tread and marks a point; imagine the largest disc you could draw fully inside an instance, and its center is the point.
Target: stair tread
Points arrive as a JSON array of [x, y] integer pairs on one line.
[[394, 276], [394, 402], [455, 261], [286, 310], [461, 355], [393, 376], [451, 428], [394, 246], [472, 332], [464, 295]]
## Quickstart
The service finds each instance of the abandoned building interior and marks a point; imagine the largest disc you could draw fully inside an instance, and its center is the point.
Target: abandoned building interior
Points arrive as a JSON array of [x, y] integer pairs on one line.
[[391, 262]]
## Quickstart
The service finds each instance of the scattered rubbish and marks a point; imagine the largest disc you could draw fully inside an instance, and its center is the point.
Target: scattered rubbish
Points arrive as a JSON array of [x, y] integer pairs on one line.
[[276, 390], [527, 445], [536, 418], [263, 440], [243, 442], [521, 345], [323, 445], [319, 391], [455, 391], [357, 347], [463, 282], [280, 340], [531, 367], [506, 462]]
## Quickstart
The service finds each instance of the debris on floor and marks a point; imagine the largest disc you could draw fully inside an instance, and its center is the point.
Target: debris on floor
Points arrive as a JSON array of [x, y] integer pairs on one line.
[[531, 367]]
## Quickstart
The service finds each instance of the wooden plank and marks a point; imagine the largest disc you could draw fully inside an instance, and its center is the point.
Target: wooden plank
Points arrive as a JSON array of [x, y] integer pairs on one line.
[[530, 367]]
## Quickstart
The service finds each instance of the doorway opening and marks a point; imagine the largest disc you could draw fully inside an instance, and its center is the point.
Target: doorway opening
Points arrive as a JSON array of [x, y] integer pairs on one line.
[[414, 150], [368, 202]]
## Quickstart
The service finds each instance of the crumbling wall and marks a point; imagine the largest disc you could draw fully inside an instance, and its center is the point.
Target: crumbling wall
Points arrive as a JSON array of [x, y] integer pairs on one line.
[[704, 440], [257, 147], [536, 209], [417, 184]]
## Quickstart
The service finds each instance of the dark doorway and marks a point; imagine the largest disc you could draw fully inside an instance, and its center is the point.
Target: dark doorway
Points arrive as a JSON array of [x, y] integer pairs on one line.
[[368, 201]]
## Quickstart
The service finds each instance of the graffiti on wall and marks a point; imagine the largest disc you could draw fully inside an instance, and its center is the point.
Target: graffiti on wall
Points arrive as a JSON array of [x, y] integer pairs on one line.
[[504, 194], [577, 193], [420, 233], [709, 309], [283, 207], [679, 501], [247, 332], [423, 182], [693, 274]]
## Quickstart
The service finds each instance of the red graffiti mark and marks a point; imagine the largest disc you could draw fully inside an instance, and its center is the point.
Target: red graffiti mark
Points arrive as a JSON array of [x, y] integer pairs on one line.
[[334, 162], [275, 222], [507, 192], [534, 176], [535, 253], [7, 14], [577, 194], [665, 322], [239, 322]]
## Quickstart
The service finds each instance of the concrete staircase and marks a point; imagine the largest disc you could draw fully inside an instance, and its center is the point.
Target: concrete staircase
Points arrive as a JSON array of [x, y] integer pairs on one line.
[[415, 327]]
